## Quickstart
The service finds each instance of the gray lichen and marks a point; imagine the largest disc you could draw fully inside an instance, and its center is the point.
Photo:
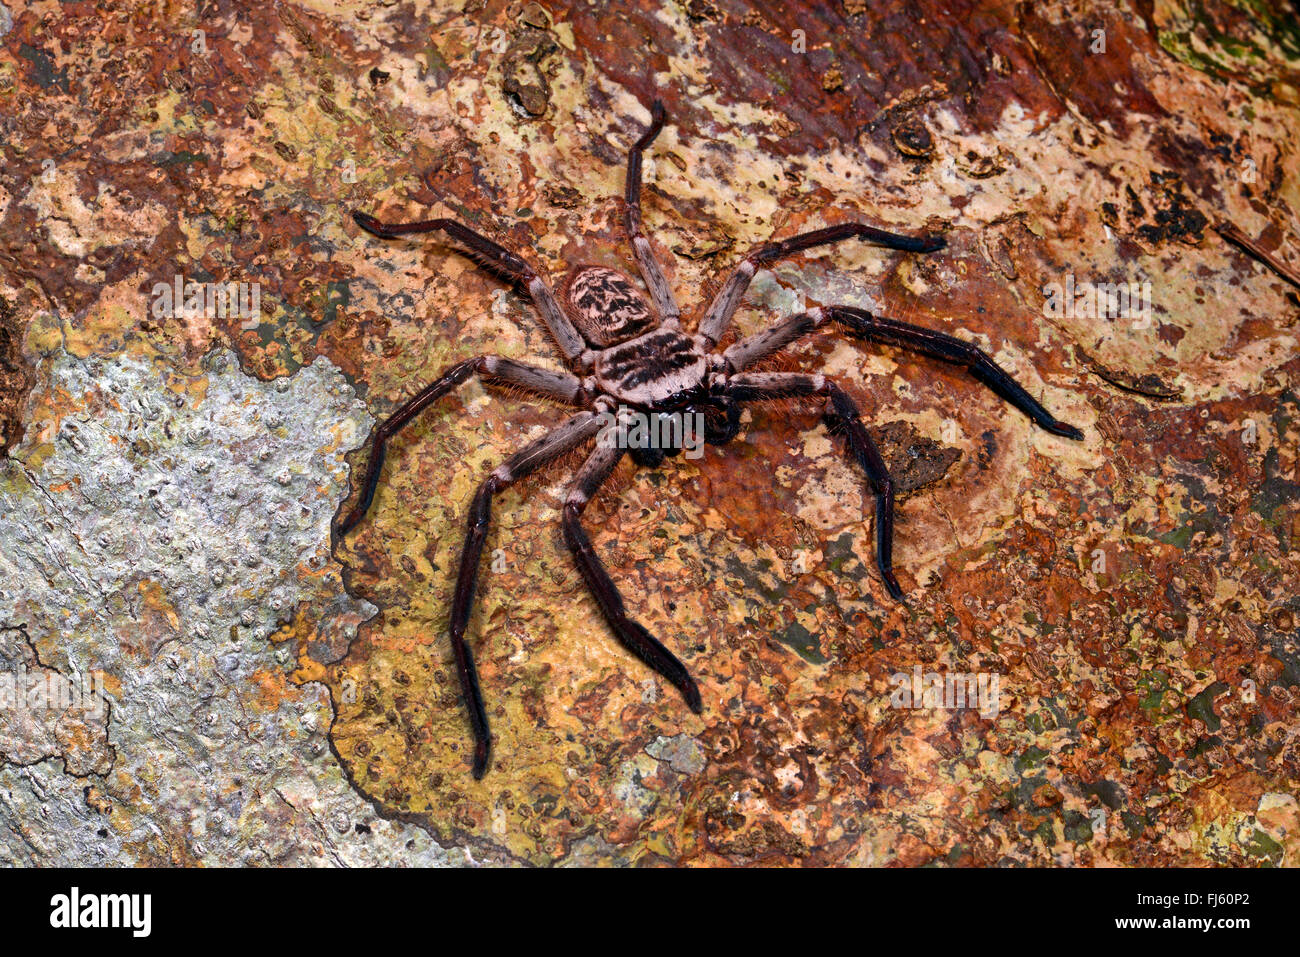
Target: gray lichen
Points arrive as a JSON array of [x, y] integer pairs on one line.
[[148, 551]]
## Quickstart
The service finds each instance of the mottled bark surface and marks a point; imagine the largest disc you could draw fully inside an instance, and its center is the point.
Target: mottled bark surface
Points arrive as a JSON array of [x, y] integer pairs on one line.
[[274, 696]]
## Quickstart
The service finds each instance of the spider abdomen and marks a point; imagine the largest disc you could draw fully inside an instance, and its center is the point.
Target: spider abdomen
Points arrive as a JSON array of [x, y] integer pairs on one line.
[[654, 371], [605, 306]]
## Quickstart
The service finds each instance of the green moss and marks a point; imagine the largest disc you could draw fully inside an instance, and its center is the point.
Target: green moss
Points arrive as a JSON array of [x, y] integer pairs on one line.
[[1152, 686], [1261, 845], [1202, 706], [1250, 54], [803, 642], [1031, 758], [1078, 828]]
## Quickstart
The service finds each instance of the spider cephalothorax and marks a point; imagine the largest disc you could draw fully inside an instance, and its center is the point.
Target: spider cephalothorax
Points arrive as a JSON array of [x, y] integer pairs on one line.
[[635, 374], [605, 306]]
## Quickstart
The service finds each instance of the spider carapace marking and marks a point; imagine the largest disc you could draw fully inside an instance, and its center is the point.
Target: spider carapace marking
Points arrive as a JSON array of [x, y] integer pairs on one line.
[[626, 353], [605, 306], [657, 371]]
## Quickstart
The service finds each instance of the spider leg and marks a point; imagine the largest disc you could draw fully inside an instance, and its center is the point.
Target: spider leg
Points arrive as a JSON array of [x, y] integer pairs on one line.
[[557, 385], [571, 434], [631, 634], [665, 304], [497, 260], [724, 305], [863, 325], [747, 351], [841, 413]]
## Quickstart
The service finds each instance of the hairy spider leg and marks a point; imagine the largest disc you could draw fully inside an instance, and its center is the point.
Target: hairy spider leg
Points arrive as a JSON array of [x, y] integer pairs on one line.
[[630, 633], [745, 352], [841, 410], [531, 457], [556, 385], [861, 324], [665, 304], [724, 305], [500, 262], [841, 414]]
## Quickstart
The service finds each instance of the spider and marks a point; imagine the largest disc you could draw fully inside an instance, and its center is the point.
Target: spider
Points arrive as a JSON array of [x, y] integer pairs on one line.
[[627, 357]]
